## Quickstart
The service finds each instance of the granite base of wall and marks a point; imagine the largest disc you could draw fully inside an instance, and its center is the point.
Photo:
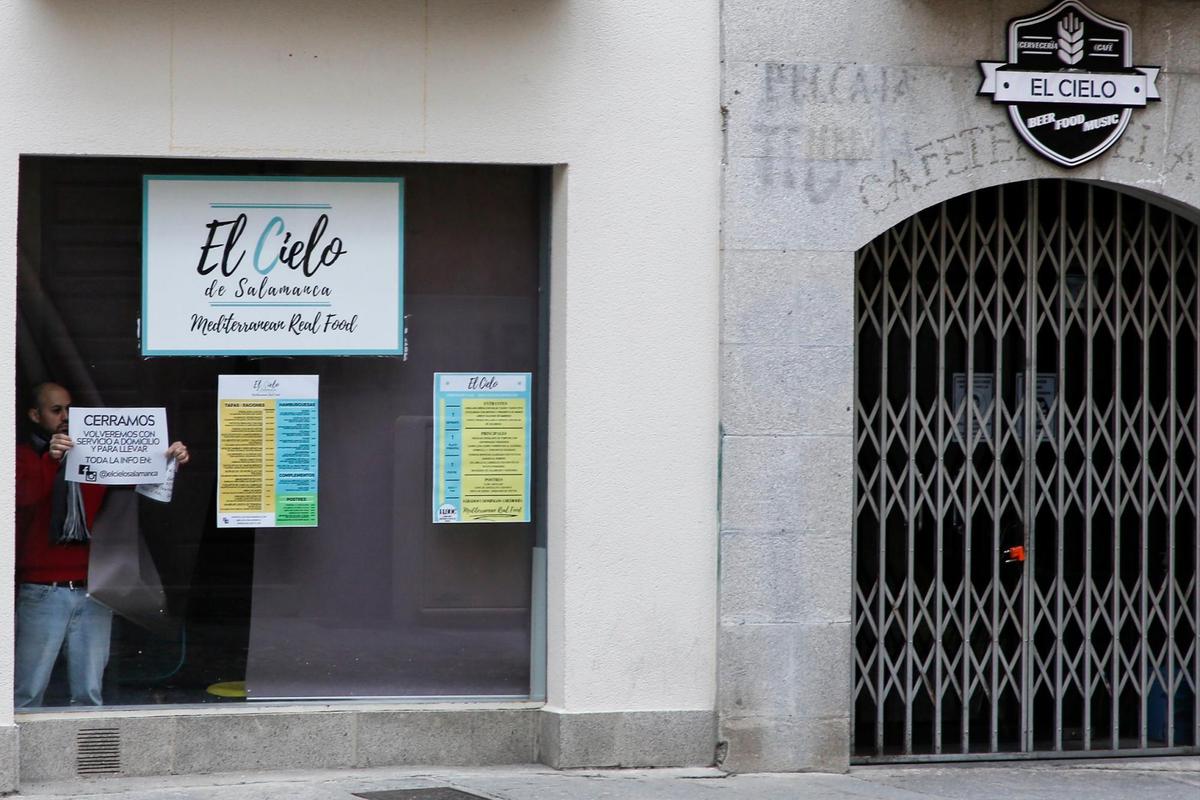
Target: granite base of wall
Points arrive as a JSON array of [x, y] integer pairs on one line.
[[9, 767], [783, 691], [785, 744], [628, 739], [55, 748], [63, 748]]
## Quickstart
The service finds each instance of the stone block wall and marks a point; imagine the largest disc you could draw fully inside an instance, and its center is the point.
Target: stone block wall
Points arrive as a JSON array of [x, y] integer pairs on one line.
[[842, 119]]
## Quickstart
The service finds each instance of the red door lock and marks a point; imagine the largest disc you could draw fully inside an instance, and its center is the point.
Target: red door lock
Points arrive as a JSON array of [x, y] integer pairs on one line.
[[1016, 553]]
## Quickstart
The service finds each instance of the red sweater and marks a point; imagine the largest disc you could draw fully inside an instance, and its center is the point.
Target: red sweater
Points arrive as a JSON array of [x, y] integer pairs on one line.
[[38, 561]]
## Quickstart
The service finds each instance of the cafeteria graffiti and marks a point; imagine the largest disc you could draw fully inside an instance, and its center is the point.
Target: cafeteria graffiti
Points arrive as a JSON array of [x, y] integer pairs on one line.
[[992, 146], [815, 135], [945, 157]]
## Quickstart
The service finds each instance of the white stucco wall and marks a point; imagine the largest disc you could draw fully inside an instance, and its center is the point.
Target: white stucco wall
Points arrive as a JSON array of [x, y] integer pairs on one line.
[[625, 94]]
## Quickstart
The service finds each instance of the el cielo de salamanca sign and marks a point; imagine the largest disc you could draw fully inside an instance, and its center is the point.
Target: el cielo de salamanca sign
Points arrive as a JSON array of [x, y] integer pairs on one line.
[[1069, 83]]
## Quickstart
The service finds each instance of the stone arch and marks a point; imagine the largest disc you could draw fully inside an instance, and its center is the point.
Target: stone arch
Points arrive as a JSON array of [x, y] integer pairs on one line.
[[1180, 197]]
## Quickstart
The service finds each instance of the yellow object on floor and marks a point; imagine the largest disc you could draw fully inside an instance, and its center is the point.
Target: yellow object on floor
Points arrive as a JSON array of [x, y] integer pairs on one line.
[[228, 689]]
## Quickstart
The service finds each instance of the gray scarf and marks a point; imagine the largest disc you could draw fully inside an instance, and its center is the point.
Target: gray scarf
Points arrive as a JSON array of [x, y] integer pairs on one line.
[[68, 517]]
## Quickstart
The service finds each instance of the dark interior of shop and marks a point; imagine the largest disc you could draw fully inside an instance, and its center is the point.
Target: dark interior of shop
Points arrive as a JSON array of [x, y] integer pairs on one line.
[[375, 601]]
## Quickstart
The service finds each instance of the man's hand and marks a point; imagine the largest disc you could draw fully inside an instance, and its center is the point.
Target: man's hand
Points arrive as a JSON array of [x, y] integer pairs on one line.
[[179, 452], [60, 443]]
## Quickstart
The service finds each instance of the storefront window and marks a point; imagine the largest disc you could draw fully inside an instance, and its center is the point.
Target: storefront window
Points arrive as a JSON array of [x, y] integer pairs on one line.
[[375, 600]]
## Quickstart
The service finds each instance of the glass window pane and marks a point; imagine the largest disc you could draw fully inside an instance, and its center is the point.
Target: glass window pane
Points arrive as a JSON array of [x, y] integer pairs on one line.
[[375, 601]]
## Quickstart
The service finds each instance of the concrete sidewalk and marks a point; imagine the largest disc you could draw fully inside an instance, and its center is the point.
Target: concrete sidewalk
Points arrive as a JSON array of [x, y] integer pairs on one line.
[[1131, 779]]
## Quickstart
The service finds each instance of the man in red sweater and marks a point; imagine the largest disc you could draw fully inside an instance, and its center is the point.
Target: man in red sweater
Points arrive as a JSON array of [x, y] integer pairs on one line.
[[53, 608]]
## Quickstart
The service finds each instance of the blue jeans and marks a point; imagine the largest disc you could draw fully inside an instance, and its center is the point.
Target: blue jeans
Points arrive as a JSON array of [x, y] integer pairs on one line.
[[49, 618]]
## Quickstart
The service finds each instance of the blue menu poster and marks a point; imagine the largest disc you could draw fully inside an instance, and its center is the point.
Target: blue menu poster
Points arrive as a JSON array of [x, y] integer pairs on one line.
[[482, 437]]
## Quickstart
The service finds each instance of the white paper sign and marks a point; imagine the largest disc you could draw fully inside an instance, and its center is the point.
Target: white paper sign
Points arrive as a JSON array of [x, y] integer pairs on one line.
[[118, 445], [161, 492], [258, 266]]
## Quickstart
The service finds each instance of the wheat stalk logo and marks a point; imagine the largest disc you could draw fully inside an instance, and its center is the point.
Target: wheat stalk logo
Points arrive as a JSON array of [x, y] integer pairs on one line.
[[1070, 39]]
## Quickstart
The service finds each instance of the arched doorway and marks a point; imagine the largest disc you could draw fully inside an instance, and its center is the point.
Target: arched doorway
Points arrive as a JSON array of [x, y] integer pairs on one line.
[[1026, 488]]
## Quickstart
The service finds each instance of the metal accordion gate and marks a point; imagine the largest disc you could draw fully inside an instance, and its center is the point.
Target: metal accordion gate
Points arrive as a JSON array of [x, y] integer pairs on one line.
[[1026, 481]]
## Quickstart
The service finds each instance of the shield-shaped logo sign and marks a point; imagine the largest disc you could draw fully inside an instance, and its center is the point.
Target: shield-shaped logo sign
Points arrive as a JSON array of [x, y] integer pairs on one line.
[[1069, 83]]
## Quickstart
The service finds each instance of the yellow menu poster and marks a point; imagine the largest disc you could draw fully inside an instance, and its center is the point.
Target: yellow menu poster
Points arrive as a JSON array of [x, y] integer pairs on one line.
[[247, 434]]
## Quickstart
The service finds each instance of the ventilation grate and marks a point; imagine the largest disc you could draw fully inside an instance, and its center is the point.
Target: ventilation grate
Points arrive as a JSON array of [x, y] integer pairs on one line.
[[428, 793], [97, 751]]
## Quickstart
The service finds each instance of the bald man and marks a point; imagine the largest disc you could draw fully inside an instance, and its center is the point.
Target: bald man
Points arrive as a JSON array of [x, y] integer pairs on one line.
[[54, 611]]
